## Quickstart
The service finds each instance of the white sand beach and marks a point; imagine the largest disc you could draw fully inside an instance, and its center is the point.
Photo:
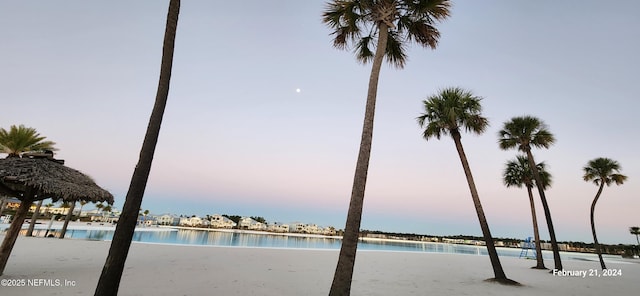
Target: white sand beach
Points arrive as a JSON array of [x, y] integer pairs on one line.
[[73, 268]]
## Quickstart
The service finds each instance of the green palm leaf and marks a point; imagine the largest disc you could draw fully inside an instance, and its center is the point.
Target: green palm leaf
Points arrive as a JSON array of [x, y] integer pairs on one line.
[[603, 170], [21, 139], [450, 110], [355, 25]]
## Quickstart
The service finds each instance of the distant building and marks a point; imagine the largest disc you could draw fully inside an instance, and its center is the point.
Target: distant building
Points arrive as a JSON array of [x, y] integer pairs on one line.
[[561, 247], [168, 220], [278, 227], [12, 203], [194, 221], [298, 227], [251, 224], [219, 221]]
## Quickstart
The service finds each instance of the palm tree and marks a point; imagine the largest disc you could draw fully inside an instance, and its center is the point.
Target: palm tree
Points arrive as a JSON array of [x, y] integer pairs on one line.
[[522, 133], [20, 139], [114, 265], [635, 230], [602, 171], [518, 174], [106, 212], [144, 216], [99, 207], [375, 29], [82, 203], [65, 205], [448, 112]]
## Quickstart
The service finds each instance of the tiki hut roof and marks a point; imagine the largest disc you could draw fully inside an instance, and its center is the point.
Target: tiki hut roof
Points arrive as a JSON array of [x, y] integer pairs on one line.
[[49, 178]]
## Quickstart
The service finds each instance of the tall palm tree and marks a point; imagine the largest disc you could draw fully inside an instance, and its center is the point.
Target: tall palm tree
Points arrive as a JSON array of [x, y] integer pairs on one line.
[[20, 139], [524, 132], [518, 174], [448, 112], [601, 171], [635, 230], [109, 281], [375, 29]]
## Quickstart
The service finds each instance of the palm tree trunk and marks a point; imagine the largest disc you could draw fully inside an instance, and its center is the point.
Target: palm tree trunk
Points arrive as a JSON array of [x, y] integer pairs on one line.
[[12, 233], [63, 232], [536, 234], [547, 212], [112, 271], [593, 226], [34, 218], [3, 204], [341, 285], [491, 248]]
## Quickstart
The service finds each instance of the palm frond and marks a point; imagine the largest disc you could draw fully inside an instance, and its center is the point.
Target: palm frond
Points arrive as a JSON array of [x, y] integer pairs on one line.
[[395, 51], [344, 19], [408, 21], [603, 170], [450, 110], [363, 49], [524, 132], [20, 139], [518, 173]]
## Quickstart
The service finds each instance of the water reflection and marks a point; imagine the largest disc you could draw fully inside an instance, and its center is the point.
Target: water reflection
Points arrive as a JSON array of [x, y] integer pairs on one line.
[[219, 238]]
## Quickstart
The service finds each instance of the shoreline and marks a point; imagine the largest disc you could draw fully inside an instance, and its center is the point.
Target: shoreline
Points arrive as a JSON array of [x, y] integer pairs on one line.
[[193, 270], [98, 226]]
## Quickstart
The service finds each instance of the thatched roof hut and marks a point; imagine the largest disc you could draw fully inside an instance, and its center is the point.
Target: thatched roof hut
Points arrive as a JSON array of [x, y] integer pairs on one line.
[[48, 178], [40, 176]]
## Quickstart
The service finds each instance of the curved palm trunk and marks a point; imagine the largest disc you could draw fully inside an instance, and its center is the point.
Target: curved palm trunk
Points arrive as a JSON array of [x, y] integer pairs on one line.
[[547, 212], [593, 226], [112, 271], [343, 275], [491, 248], [63, 232], [12, 233], [34, 218], [536, 234]]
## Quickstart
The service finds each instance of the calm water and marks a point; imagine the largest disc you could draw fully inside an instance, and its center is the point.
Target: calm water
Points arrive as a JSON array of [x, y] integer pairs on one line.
[[231, 239], [266, 240]]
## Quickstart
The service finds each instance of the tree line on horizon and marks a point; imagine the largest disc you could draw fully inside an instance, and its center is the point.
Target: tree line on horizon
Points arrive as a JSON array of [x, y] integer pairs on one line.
[[378, 30]]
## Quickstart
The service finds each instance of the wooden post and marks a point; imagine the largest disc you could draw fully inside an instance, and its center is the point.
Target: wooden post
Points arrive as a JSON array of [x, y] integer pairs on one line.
[[13, 231]]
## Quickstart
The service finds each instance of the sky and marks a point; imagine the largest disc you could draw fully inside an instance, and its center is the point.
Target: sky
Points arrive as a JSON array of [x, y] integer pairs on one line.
[[237, 138]]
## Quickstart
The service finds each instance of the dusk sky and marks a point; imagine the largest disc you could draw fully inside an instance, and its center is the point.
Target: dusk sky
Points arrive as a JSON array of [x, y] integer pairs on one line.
[[237, 138]]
